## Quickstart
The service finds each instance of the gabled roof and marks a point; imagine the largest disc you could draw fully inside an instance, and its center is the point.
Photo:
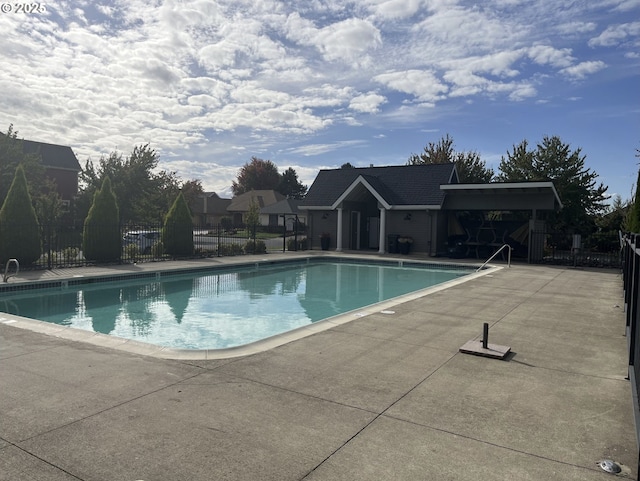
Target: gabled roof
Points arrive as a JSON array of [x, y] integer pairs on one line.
[[210, 203], [286, 206], [263, 198], [398, 186], [52, 155]]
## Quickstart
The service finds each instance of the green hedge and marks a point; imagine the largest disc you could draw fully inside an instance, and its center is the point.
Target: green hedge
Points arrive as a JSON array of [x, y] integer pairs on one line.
[[101, 239], [19, 228], [177, 233]]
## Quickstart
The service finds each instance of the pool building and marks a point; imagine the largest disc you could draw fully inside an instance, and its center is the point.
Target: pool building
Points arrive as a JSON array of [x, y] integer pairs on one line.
[[425, 206]]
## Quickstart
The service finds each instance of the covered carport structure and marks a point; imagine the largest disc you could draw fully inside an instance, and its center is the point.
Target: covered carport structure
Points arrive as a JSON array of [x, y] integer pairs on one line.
[[531, 197]]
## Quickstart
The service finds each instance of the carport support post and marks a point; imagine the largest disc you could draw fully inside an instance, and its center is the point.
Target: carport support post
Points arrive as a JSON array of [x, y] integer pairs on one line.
[[339, 231], [383, 230], [485, 335]]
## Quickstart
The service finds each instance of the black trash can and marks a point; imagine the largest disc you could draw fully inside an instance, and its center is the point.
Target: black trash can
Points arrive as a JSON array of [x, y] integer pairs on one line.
[[392, 243]]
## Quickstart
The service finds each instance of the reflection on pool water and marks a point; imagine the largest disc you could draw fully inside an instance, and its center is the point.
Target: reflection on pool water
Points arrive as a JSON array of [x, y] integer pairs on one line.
[[220, 309]]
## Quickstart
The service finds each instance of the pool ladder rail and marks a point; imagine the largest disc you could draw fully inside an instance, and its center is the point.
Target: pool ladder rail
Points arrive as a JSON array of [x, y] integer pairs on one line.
[[6, 275], [506, 246]]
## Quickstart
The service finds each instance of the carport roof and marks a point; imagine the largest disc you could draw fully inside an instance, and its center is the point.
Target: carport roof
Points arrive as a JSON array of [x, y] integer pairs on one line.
[[502, 196]]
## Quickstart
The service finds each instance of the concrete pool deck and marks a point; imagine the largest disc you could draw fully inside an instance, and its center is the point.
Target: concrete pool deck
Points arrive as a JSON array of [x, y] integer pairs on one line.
[[383, 397]]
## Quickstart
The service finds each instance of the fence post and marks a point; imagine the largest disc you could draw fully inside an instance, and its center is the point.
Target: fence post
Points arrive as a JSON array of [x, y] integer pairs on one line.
[[633, 303], [49, 263], [218, 238]]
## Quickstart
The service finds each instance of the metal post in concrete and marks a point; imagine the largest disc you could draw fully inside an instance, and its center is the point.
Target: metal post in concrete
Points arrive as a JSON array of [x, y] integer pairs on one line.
[[485, 335]]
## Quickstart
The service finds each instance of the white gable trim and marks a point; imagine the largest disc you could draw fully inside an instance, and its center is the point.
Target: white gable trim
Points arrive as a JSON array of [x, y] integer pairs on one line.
[[361, 181]]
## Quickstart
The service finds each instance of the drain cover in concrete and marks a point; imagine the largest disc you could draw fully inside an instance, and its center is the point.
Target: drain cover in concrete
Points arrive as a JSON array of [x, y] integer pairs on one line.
[[609, 466]]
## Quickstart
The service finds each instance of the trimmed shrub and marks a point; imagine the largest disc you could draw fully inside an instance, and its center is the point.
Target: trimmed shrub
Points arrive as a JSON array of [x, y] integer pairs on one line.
[[302, 244], [157, 250], [132, 252], [19, 228], [70, 253], [255, 247], [230, 250], [101, 240], [177, 233]]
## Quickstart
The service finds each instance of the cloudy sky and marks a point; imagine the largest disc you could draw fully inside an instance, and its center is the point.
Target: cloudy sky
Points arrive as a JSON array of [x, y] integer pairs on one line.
[[312, 84]]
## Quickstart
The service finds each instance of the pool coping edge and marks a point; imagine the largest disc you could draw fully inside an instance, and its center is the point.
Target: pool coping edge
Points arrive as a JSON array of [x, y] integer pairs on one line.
[[147, 349]]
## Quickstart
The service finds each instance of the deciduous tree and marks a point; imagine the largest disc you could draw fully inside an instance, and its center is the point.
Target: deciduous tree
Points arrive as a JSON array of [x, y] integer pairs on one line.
[[192, 190], [144, 193], [258, 174]]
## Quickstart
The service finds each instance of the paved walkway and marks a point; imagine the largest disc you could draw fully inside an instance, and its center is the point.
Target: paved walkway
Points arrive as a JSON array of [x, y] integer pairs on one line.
[[383, 397]]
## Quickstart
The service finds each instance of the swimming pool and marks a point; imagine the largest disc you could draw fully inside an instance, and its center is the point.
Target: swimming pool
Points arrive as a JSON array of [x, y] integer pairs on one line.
[[224, 307]]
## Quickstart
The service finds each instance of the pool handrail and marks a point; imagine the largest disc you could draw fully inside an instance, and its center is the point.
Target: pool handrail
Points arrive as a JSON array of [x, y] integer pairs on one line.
[[6, 275], [495, 254]]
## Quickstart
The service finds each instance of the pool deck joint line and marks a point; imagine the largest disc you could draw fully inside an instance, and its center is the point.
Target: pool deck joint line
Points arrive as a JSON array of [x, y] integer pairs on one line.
[[376, 397]]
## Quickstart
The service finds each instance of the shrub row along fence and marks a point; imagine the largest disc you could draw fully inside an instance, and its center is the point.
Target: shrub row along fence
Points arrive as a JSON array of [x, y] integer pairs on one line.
[[631, 285], [62, 244]]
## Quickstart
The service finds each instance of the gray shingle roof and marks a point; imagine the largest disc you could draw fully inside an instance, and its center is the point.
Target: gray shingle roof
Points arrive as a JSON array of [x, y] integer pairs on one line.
[[286, 206], [398, 185], [263, 198], [52, 155]]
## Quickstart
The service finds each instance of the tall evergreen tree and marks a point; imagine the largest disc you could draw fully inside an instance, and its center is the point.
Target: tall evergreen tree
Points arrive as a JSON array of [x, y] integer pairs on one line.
[[576, 184], [633, 221], [177, 233], [12, 155], [101, 239], [519, 166], [290, 186], [19, 229], [470, 167]]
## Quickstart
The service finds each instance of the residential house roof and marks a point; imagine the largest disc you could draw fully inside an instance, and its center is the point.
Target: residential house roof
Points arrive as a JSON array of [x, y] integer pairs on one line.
[[263, 198], [210, 203], [393, 186], [285, 206], [52, 155]]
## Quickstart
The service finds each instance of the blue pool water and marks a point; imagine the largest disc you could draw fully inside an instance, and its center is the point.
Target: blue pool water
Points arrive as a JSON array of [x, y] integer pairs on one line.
[[220, 309]]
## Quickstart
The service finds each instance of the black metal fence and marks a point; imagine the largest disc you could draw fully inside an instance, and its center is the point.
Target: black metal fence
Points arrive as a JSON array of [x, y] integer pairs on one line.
[[62, 244], [631, 285], [596, 250]]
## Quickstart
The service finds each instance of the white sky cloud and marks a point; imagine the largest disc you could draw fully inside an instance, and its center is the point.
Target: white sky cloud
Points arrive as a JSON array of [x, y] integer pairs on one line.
[[617, 34], [583, 69], [424, 85], [368, 103], [189, 74]]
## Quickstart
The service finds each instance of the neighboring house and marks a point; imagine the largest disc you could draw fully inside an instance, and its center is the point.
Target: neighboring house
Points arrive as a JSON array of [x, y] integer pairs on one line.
[[284, 212], [376, 207], [240, 204], [61, 166], [208, 209]]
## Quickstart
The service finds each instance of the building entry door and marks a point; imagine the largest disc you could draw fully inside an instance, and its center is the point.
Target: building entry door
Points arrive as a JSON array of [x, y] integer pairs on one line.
[[374, 232], [354, 231]]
